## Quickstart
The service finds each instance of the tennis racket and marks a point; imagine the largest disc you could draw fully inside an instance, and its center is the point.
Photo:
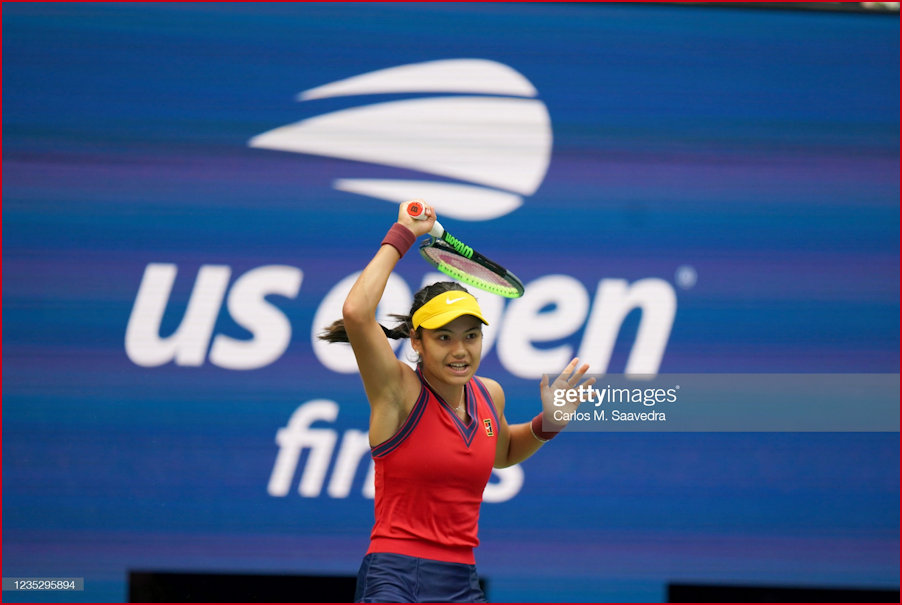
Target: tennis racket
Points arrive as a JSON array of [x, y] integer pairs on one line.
[[458, 260]]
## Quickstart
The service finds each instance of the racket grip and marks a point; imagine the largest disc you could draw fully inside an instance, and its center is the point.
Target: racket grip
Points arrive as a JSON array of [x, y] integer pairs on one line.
[[417, 212]]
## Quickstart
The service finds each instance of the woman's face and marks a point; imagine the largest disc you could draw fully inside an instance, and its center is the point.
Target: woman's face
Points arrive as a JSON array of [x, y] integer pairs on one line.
[[451, 353]]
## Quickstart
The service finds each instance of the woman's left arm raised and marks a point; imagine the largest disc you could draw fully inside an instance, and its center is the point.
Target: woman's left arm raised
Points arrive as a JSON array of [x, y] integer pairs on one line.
[[518, 442]]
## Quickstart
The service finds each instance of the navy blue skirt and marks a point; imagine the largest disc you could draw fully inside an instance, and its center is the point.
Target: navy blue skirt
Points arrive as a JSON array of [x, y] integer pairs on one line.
[[391, 578]]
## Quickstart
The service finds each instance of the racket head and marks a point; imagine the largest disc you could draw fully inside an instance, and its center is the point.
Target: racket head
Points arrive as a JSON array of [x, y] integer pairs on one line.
[[483, 275]]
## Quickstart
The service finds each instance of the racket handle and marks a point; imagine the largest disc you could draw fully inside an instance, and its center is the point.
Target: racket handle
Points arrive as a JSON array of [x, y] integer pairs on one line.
[[417, 212]]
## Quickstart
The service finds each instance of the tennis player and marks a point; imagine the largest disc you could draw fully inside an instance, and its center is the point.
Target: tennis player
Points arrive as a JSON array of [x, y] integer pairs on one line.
[[435, 432]]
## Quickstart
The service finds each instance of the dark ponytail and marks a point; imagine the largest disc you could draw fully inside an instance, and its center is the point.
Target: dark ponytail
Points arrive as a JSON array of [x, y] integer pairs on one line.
[[336, 332]]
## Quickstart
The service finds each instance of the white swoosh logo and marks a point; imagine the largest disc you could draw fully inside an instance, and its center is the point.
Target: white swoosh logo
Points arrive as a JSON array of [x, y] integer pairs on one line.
[[445, 75], [454, 300], [500, 146]]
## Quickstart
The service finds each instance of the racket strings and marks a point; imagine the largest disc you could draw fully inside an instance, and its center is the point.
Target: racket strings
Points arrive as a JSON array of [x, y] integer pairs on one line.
[[471, 272]]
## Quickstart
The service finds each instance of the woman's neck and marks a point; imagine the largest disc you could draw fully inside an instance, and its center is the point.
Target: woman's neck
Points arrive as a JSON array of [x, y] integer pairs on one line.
[[453, 394]]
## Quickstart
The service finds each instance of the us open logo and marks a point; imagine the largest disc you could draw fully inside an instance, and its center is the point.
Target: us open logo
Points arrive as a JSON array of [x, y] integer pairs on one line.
[[493, 137], [480, 132]]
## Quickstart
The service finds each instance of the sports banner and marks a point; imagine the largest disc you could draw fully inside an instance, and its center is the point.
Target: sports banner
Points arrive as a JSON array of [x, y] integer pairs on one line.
[[189, 191]]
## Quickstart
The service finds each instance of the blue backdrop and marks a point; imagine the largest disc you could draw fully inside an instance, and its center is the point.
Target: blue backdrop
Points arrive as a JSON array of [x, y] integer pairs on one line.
[[724, 181]]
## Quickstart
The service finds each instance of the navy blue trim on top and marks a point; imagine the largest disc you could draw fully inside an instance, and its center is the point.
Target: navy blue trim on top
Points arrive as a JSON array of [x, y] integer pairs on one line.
[[467, 430], [388, 446], [488, 398]]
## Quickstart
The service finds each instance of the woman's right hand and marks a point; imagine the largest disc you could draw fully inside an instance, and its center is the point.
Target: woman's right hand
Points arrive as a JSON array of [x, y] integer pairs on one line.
[[419, 227]]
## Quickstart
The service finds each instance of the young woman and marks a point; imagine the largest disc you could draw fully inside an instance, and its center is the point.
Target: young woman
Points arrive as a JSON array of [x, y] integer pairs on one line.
[[435, 432]]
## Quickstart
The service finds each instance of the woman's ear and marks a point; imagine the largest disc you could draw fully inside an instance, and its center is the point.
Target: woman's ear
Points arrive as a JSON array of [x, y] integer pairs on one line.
[[416, 343]]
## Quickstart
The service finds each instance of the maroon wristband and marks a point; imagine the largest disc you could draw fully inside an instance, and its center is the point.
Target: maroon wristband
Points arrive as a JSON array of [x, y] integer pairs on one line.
[[400, 238], [539, 433]]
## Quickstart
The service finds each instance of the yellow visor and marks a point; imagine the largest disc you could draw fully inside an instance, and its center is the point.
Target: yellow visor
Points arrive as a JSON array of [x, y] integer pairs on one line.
[[447, 307]]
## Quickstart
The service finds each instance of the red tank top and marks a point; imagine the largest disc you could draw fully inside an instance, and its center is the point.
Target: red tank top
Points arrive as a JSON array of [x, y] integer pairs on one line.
[[430, 476]]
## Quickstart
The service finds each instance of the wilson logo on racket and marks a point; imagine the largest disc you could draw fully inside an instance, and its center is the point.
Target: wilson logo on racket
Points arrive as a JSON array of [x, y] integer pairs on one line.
[[493, 137], [458, 245]]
